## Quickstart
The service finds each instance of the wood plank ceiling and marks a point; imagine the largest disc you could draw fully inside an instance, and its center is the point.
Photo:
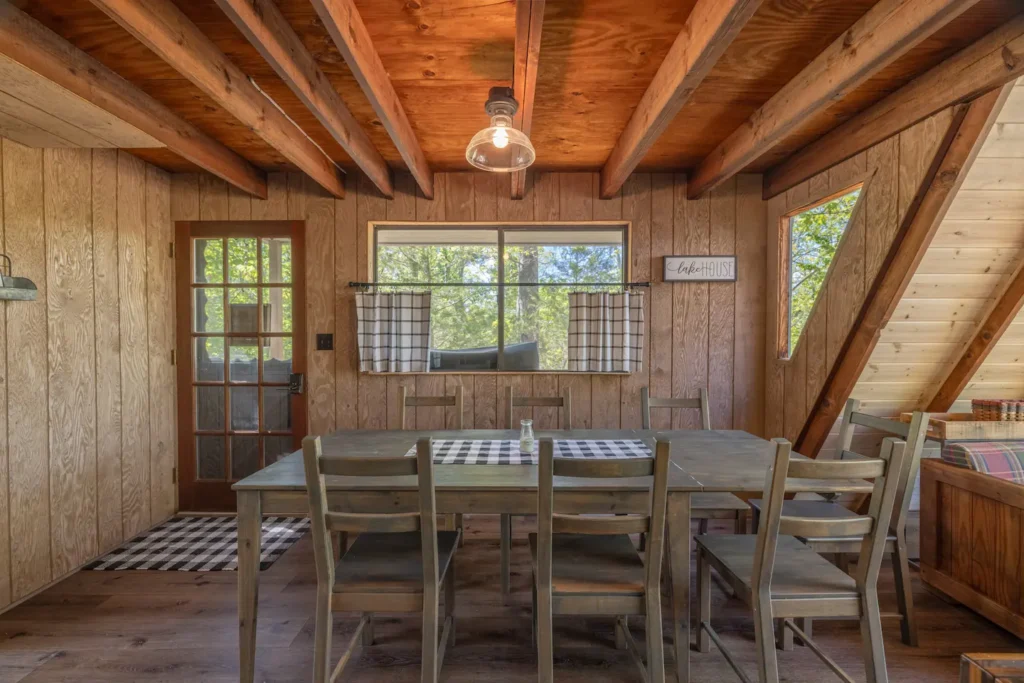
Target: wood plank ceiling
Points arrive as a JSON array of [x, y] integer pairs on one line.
[[597, 58]]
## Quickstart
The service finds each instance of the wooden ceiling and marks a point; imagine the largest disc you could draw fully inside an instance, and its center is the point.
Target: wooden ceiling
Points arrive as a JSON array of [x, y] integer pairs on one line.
[[597, 58]]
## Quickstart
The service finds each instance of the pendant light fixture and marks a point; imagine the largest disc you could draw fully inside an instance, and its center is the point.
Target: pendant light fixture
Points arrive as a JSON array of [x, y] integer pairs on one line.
[[500, 147]]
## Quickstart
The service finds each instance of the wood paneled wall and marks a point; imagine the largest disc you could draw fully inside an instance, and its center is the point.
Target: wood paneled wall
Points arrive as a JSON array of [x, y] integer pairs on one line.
[[699, 334], [87, 437]]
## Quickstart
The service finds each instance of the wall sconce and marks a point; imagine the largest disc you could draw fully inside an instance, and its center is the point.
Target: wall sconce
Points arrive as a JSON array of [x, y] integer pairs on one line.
[[15, 288]]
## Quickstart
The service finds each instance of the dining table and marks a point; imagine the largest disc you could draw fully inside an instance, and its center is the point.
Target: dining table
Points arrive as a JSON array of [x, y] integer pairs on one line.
[[702, 461]]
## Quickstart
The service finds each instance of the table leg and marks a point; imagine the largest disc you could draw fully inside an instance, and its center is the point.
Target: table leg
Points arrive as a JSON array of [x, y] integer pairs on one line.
[[679, 539], [249, 539]]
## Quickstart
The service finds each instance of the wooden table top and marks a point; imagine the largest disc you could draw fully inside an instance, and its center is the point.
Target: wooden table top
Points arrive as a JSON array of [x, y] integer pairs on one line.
[[715, 460]]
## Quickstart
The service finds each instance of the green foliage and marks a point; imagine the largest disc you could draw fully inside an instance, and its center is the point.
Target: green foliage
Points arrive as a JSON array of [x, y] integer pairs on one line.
[[814, 238]]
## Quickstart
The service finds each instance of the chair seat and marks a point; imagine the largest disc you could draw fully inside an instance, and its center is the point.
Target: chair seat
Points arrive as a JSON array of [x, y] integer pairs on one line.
[[799, 573], [593, 565], [715, 502], [819, 509], [390, 563]]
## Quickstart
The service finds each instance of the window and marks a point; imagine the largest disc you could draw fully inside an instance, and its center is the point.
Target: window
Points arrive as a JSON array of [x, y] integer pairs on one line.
[[813, 237], [500, 293]]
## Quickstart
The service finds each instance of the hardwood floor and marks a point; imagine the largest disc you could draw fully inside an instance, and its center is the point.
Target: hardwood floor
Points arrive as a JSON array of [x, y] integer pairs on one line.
[[157, 627]]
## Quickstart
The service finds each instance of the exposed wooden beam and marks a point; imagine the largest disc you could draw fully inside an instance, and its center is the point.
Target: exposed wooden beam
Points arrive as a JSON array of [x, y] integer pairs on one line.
[[26, 41], [887, 31], [265, 27], [342, 21], [162, 27], [988, 63], [529, 23], [709, 30], [956, 152]]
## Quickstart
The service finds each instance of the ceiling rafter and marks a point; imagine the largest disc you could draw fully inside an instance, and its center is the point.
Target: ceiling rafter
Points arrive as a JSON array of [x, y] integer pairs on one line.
[[887, 31], [989, 62], [263, 24], [709, 30], [343, 23], [529, 24], [39, 49], [164, 29]]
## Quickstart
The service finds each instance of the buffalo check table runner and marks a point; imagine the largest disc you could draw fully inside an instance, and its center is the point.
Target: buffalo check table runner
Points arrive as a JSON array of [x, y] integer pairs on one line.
[[501, 452]]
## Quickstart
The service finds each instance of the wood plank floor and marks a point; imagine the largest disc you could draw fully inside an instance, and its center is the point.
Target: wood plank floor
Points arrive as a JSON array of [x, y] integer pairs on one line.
[[156, 627]]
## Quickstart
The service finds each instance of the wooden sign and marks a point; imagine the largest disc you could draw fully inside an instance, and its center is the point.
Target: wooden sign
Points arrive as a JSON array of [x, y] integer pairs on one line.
[[700, 269]]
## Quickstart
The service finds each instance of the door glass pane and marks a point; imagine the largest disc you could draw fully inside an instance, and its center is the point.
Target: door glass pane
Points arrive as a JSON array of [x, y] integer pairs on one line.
[[242, 259], [210, 457], [277, 409], [245, 410], [242, 303], [209, 260], [277, 359], [210, 408], [277, 309], [209, 361], [276, 259], [245, 456], [208, 313], [244, 356], [275, 448]]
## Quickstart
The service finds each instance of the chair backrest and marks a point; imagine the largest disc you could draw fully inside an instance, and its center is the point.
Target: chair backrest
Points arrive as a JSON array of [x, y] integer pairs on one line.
[[873, 526], [406, 401], [914, 433], [701, 404], [421, 517], [564, 402], [651, 523]]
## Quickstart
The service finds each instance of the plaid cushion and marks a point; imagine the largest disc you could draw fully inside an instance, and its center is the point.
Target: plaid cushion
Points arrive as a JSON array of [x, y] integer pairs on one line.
[[1002, 459]]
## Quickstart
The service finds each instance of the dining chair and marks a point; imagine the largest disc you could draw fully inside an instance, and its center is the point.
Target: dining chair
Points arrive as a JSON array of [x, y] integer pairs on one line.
[[780, 577], [456, 402], [396, 563], [588, 565], [512, 401], [915, 434]]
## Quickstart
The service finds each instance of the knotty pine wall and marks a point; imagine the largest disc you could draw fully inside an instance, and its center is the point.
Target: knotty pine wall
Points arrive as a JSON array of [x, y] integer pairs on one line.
[[699, 334], [87, 436]]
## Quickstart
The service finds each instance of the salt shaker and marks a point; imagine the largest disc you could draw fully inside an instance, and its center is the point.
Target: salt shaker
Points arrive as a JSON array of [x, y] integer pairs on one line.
[[526, 436]]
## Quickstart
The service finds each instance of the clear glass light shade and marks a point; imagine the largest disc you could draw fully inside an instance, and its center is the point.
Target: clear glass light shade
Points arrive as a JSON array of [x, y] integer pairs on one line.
[[500, 147]]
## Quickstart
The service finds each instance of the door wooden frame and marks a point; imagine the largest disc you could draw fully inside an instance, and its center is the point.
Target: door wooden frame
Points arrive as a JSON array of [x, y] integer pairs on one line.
[[216, 496]]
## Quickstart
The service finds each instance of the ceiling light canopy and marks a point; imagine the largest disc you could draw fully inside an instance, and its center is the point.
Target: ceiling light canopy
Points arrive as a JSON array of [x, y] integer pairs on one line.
[[500, 147]]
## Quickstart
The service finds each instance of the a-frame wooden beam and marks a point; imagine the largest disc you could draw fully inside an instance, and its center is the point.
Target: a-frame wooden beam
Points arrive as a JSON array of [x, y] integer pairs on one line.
[[35, 47], [970, 124], [343, 23], [529, 23], [887, 31], [162, 27], [988, 63], [709, 30], [266, 28]]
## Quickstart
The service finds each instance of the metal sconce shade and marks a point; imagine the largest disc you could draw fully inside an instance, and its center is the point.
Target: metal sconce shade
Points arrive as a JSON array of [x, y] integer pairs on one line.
[[15, 288], [500, 148]]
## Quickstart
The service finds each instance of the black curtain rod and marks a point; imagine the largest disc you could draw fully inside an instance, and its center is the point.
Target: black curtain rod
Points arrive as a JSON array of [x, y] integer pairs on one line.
[[367, 285]]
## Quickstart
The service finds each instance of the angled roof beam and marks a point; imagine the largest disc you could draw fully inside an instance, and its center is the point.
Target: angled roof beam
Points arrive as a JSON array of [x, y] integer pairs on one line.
[[953, 159], [887, 31], [529, 22], [35, 47], [269, 32], [988, 63], [342, 21], [164, 29], [709, 30]]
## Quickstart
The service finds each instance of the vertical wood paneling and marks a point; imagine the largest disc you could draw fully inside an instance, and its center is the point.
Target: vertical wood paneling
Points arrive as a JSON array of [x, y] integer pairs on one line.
[[722, 308], [546, 207], [401, 208], [319, 217], [428, 210], [636, 208], [27, 396], [881, 204], [605, 389], [5, 508], [660, 326], [692, 304], [346, 264], [576, 203], [213, 199], [749, 341], [275, 206], [239, 204], [371, 206], [774, 373]]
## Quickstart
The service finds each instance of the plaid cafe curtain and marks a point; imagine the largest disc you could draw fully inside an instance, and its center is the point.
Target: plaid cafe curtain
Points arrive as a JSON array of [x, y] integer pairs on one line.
[[394, 331], [606, 332]]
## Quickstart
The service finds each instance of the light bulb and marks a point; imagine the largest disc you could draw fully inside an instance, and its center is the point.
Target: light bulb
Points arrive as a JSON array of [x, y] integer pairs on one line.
[[500, 138]]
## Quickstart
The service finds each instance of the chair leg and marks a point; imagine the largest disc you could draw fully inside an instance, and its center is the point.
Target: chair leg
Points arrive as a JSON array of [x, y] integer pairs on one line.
[[533, 614], [703, 600], [428, 656], [643, 543], [755, 520], [322, 638], [767, 661], [449, 601], [702, 526], [807, 626], [871, 637], [621, 624], [506, 556], [545, 645], [741, 522], [461, 527], [655, 639], [784, 638], [368, 630], [904, 593]]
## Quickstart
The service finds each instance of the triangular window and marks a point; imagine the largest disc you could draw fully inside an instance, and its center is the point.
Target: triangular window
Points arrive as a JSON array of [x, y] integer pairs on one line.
[[814, 234]]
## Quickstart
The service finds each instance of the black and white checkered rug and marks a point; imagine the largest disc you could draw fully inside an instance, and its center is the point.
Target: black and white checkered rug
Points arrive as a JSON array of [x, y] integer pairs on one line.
[[495, 452], [200, 544]]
